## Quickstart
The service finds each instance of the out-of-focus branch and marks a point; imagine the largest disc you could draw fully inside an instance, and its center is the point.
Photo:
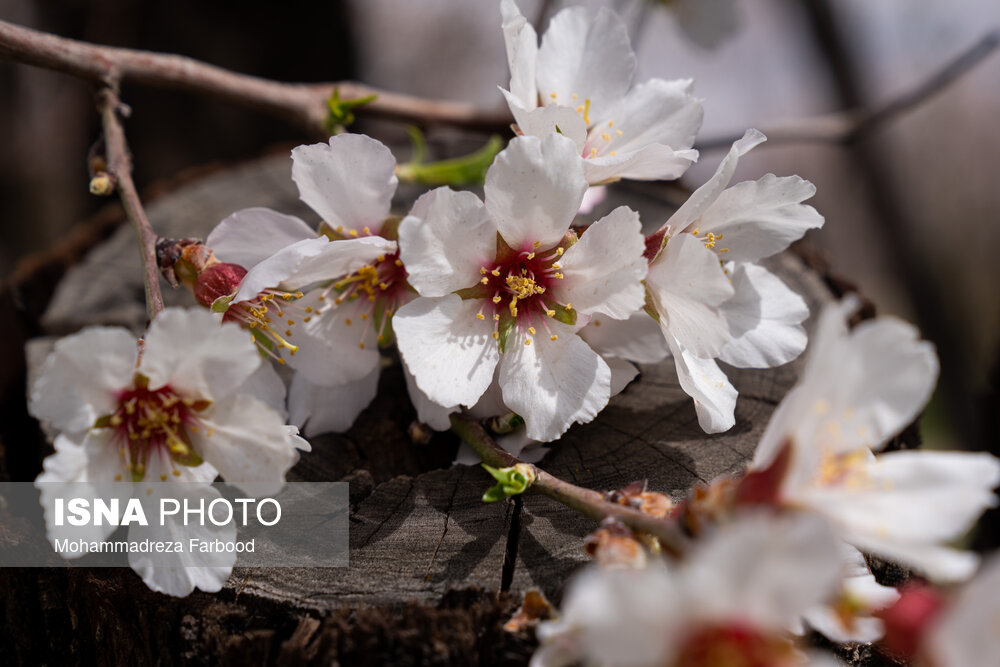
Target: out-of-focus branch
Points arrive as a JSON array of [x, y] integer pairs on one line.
[[301, 103], [586, 501], [847, 127], [118, 172]]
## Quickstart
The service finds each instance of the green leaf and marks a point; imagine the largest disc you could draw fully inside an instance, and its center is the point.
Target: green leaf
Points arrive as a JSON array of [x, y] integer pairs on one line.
[[339, 112], [510, 481], [465, 170]]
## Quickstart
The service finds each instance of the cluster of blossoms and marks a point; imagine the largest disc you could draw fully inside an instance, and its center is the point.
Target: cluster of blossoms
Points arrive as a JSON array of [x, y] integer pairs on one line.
[[502, 305], [776, 550]]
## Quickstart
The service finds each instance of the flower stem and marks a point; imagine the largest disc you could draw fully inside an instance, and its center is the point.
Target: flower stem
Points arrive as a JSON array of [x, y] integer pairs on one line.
[[119, 168], [585, 501]]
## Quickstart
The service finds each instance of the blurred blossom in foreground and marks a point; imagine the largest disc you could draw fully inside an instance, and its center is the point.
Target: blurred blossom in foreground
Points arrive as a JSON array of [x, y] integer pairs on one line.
[[729, 602], [858, 390]]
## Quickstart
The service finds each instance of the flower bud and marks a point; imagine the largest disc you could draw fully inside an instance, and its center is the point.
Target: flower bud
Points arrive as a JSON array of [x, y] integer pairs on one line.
[[217, 281], [102, 184]]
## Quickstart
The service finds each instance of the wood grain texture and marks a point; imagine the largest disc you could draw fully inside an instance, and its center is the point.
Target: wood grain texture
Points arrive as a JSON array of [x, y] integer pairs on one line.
[[426, 554]]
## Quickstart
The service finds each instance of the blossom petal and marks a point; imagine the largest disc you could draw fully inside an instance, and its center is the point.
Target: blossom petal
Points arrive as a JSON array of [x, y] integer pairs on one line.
[[82, 376], [349, 181], [339, 258], [904, 503], [622, 373], [178, 573], [765, 317], [649, 163], [603, 271], [707, 194], [189, 350], [768, 568], [445, 240], [70, 465], [247, 442], [865, 595], [534, 189], [428, 412], [688, 287], [763, 217], [310, 261], [521, 42], [648, 136], [703, 380], [637, 339], [656, 111], [542, 121], [266, 385], [450, 352], [338, 344], [250, 236], [585, 57], [553, 384], [858, 389], [320, 409], [608, 615]]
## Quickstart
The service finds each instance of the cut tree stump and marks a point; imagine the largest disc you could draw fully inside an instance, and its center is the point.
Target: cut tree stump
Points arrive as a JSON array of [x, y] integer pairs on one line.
[[434, 571]]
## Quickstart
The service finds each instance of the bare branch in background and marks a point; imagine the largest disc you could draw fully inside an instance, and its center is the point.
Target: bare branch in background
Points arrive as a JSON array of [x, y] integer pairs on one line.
[[303, 104], [846, 127]]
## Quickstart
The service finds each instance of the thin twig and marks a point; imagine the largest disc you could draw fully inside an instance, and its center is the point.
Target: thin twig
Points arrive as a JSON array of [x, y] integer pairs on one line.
[[586, 501], [301, 103], [119, 167], [847, 127]]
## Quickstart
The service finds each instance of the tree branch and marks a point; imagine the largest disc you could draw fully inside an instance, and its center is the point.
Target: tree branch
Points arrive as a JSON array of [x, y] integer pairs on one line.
[[119, 169], [847, 127], [586, 501], [303, 104]]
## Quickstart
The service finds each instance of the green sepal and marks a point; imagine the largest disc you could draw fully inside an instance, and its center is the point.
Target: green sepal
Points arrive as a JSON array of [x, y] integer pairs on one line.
[[188, 458], [510, 481], [339, 112], [222, 304], [479, 291], [563, 314], [648, 305], [504, 330]]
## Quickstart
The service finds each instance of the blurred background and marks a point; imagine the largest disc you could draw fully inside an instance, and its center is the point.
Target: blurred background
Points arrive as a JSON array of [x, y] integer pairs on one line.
[[911, 208]]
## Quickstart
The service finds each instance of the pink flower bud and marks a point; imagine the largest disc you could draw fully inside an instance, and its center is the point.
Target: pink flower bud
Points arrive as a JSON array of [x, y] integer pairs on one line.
[[217, 281]]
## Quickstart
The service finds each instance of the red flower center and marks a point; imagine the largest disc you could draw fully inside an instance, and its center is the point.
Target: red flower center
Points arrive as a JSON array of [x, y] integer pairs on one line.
[[153, 423]]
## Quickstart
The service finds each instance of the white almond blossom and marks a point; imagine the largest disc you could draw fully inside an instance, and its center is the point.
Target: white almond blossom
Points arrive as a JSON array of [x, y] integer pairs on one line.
[[710, 298], [579, 83], [730, 600], [858, 390], [169, 409], [505, 287], [332, 332]]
